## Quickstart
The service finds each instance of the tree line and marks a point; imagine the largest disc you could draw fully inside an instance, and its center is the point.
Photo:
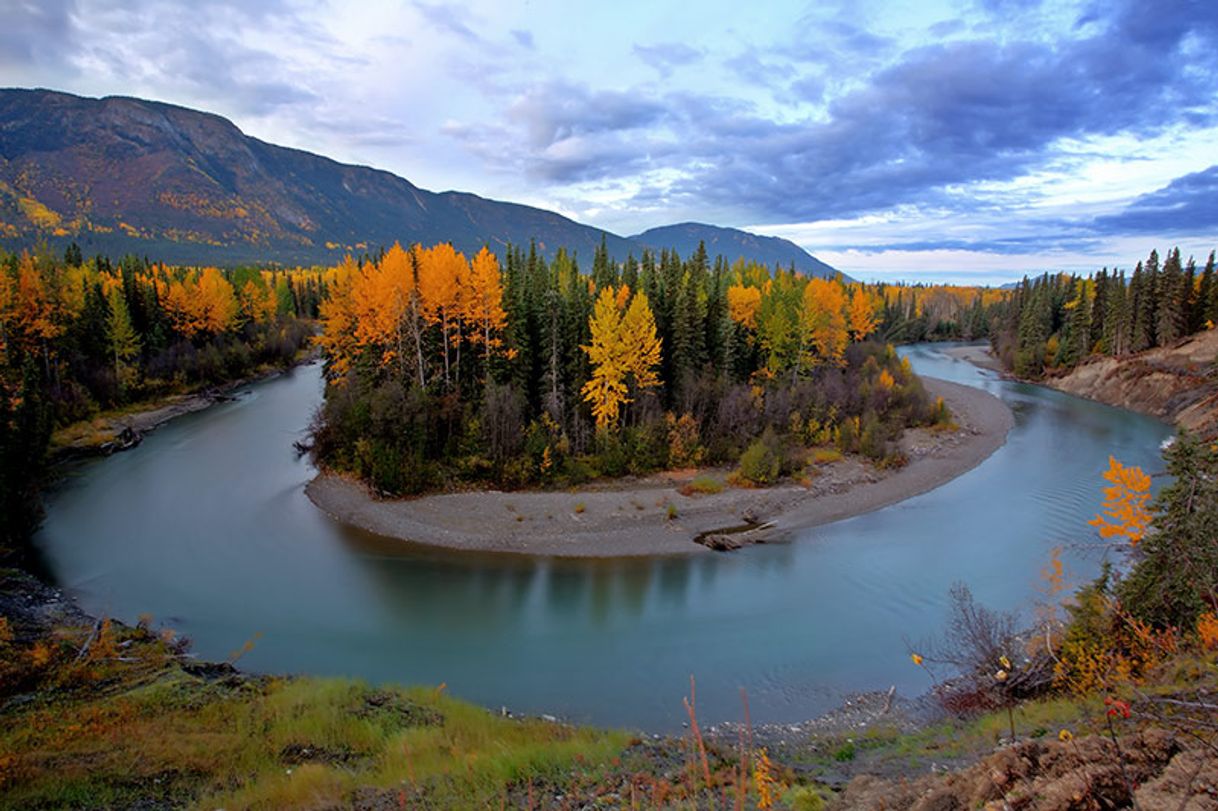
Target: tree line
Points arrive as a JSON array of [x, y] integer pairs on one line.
[[1058, 320], [443, 368]]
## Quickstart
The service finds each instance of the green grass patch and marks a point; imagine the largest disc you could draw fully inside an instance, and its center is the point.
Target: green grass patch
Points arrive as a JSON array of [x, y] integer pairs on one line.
[[702, 485]]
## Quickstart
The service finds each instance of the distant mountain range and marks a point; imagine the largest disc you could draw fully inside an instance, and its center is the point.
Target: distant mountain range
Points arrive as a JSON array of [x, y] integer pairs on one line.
[[732, 243], [122, 175]]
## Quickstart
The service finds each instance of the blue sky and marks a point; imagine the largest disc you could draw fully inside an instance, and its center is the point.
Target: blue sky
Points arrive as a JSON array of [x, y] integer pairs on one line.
[[952, 140]]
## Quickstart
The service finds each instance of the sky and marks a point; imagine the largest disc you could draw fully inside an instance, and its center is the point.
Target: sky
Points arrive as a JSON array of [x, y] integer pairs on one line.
[[946, 140]]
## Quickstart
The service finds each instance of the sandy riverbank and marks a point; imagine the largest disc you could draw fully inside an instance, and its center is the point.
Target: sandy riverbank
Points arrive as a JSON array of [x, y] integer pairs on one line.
[[977, 354], [632, 518]]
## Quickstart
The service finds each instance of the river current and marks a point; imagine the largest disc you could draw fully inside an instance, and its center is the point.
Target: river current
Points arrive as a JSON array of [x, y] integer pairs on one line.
[[206, 527]]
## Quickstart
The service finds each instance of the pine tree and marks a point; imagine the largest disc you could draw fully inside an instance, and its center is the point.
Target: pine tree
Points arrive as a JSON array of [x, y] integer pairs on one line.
[[1171, 321], [1076, 332], [1103, 284], [1141, 310], [1115, 338]]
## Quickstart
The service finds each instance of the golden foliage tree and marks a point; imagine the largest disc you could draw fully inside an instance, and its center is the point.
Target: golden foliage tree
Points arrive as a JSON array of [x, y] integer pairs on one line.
[[822, 322], [443, 276], [625, 349], [861, 314], [743, 302], [203, 304], [1125, 514], [382, 295], [339, 320], [484, 301]]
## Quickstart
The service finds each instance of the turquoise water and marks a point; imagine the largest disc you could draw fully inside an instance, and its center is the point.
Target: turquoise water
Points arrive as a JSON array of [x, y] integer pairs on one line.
[[206, 526]]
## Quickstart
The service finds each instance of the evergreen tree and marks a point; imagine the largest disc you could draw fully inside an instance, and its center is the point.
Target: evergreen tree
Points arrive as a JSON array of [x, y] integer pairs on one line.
[[1176, 576], [1076, 332], [1035, 324], [1141, 310], [1171, 320], [1116, 333]]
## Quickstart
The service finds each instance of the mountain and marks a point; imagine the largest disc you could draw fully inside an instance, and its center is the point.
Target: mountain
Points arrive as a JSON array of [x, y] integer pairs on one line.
[[122, 175], [733, 243]]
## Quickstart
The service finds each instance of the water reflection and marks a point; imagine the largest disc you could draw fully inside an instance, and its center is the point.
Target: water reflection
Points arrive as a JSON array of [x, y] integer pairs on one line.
[[207, 523]]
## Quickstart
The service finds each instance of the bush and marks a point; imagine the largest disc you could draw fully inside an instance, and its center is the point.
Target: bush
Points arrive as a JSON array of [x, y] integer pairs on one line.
[[761, 463], [610, 457], [684, 444]]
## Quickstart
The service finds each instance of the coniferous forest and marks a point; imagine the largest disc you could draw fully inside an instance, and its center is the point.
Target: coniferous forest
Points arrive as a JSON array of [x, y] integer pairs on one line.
[[1056, 321]]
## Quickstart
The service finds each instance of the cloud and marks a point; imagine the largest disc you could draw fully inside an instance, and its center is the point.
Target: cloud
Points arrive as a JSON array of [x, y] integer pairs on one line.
[[36, 32], [556, 111], [448, 18], [523, 38], [665, 57], [1187, 204], [953, 114]]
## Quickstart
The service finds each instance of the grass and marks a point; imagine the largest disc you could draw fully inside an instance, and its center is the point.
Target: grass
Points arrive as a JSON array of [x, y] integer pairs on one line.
[[702, 485], [278, 743], [130, 722], [825, 456]]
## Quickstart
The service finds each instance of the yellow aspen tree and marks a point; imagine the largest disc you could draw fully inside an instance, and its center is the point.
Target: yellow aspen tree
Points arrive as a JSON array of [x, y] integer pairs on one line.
[[339, 320], [742, 305], [216, 300], [640, 343], [822, 321], [861, 315], [381, 298], [442, 274], [625, 351], [484, 301], [606, 389]]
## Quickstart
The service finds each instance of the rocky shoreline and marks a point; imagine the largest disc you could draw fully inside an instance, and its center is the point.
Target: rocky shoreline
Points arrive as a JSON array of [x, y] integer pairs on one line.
[[652, 516]]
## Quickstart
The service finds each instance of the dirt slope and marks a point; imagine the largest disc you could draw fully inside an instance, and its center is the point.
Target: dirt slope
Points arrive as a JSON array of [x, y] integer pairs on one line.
[[1177, 384]]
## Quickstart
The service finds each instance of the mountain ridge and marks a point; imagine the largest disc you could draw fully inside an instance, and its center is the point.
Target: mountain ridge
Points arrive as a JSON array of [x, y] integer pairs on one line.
[[120, 175], [733, 243]]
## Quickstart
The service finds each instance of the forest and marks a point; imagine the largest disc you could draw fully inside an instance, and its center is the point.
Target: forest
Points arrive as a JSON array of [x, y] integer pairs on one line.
[[78, 337], [1056, 321], [445, 370]]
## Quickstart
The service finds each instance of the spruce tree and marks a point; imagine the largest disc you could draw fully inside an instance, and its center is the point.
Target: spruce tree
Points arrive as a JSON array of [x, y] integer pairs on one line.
[[1171, 317]]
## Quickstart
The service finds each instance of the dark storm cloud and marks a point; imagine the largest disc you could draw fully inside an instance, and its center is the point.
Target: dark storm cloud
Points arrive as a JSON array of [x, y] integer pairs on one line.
[[1188, 204], [957, 113], [665, 57], [929, 122]]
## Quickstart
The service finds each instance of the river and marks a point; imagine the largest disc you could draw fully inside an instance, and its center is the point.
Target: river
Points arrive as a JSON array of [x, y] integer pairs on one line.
[[206, 527]]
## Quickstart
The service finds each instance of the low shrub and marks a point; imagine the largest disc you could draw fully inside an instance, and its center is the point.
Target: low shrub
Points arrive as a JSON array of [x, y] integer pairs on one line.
[[761, 463]]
